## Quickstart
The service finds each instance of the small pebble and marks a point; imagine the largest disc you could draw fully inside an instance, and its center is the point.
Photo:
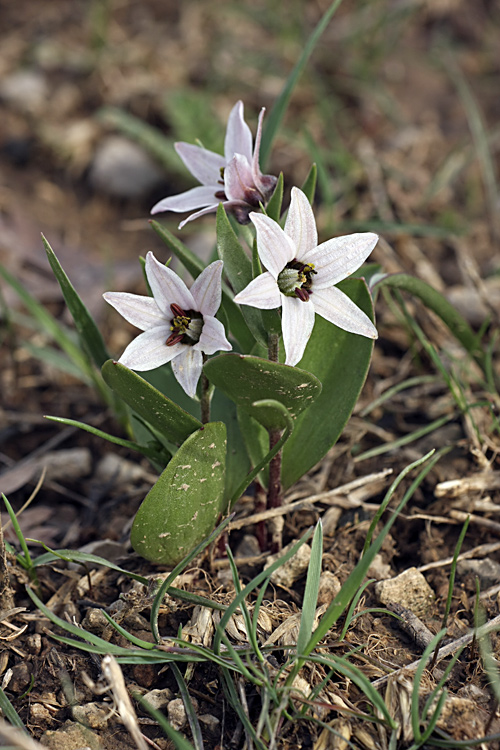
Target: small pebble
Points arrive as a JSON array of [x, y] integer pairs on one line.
[[122, 169]]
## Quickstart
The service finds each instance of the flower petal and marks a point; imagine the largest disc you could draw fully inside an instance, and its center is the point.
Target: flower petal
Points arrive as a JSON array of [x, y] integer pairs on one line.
[[300, 224], [187, 369], [197, 197], [275, 248], [205, 165], [238, 181], [336, 259], [206, 289], [265, 183], [142, 312], [238, 135], [207, 210], [262, 292], [297, 324], [213, 337], [339, 309], [167, 287], [149, 350]]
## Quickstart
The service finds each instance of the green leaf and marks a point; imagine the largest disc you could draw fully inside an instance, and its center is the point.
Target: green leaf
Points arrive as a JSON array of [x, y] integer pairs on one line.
[[246, 379], [340, 360], [88, 332], [278, 111], [238, 269], [273, 208], [182, 507], [170, 420], [309, 186], [222, 409]]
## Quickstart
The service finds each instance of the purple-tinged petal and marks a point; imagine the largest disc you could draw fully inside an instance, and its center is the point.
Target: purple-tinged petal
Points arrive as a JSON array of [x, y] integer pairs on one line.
[[265, 183], [213, 337], [149, 350], [275, 248], [238, 182], [339, 309], [187, 369], [238, 135], [203, 164], [300, 224], [206, 290], [197, 197], [167, 287], [207, 210], [262, 292], [337, 259], [297, 324], [142, 312]]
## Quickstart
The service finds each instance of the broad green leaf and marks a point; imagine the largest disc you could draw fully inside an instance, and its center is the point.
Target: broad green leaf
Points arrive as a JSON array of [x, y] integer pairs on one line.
[[89, 333], [222, 409], [182, 508], [247, 379], [273, 208], [273, 122], [170, 420], [238, 269], [340, 360]]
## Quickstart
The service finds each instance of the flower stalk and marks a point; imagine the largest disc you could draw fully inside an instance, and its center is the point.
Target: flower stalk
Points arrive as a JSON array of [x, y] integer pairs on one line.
[[274, 494]]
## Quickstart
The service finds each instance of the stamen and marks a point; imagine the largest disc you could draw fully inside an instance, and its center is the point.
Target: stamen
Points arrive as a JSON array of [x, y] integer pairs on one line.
[[302, 294]]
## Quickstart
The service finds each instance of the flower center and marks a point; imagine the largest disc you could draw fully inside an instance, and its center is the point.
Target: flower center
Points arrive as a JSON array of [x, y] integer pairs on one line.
[[186, 326], [295, 280]]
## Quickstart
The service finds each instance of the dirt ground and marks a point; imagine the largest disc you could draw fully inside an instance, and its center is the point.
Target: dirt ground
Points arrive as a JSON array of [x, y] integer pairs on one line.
[[401, 103]]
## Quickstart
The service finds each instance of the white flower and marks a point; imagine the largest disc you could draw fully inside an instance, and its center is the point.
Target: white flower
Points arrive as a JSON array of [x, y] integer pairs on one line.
[[301, 275], [234, 179], [178, 323]]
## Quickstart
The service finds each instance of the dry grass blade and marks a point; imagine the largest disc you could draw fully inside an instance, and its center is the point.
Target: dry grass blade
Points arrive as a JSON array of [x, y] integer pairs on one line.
[[114, 677], [17, 739]]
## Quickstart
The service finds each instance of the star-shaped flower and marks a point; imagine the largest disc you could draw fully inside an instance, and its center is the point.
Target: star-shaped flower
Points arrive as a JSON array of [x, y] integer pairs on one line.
[[179, 324], [234, 179], [301, 276]]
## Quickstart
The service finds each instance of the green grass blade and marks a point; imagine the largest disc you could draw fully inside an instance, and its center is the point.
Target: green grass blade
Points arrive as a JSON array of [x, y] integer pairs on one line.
[[10, 712], [277, 113], [46, 322], [260, 578], [152, 453], [435, 301], [28, 563], [88, 331], [194, 724], [348, 590], [176, 738], [165, 586], [311, 590]]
